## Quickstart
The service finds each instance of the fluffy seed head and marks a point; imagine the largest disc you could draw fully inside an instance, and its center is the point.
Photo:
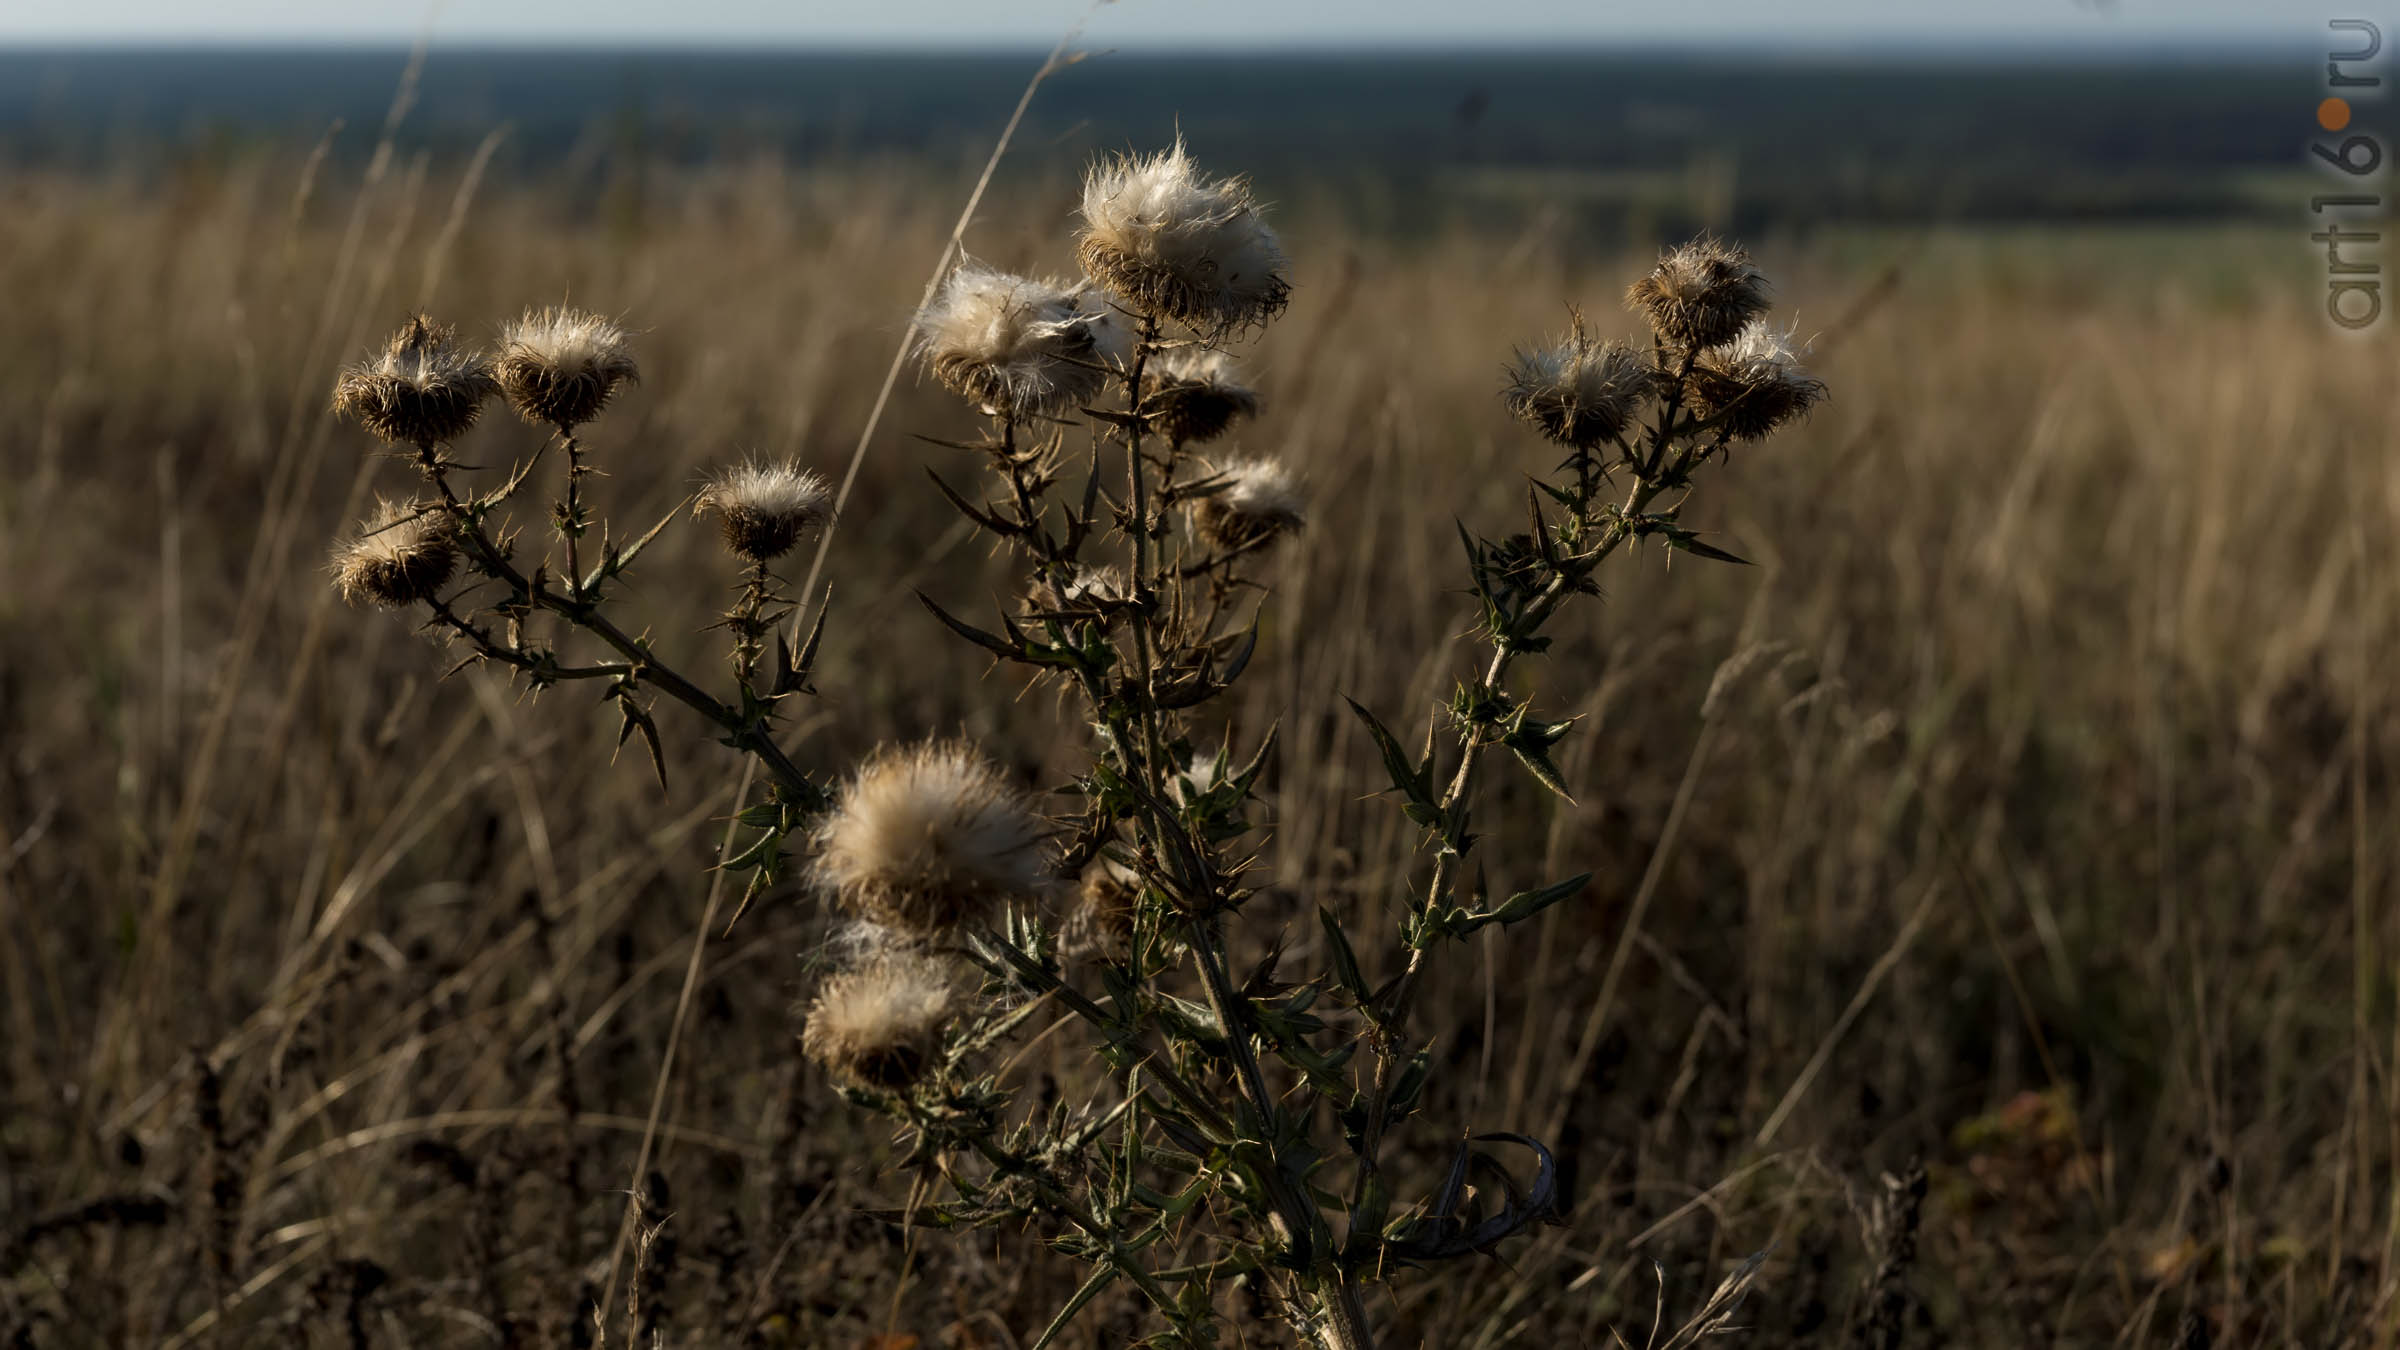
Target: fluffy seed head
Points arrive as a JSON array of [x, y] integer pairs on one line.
[[423, 390], [402, 554], [559, 366], [880, 1026], [1177, 245], [1015, 345], [1258, 505], [1193, 394], [1756, 383], [1700, 295], [1579, 393], [928, 836], [763, 509]]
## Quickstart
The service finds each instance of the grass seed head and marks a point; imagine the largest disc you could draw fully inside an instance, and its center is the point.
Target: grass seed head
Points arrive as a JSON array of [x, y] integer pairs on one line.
[[1579, 393], [1258, 505], [423, 390], [1756, 383], [1193, 394], [558, 367], [928, 836], [1176, 245], [402, 554], [880, 1025], [763, 509], [1700, 295], [1015, 345]]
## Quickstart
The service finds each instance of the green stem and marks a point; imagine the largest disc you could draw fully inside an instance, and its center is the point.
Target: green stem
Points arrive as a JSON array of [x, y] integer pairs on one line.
[[744, 735]]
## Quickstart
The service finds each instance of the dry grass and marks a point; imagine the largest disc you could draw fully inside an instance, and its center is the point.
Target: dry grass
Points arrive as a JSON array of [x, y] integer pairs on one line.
[[2023, 811]]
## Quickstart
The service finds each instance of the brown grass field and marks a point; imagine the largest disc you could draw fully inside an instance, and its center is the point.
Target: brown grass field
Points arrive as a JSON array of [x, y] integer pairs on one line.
[[2038, 831]]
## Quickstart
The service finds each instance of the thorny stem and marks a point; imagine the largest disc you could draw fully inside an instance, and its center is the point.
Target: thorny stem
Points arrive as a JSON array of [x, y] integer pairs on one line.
[[570, 513], [1390, 1022], [1053, 1195], [530, 660], [581, 612], [758, 591]]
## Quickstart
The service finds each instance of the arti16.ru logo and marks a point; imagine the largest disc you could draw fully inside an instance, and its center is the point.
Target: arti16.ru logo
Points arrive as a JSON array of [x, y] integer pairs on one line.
[[2353, 279]]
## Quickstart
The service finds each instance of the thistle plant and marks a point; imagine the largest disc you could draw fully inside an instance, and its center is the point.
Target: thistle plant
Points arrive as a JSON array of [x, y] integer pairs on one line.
[[452, 550], [1238, 1150], [1242, 1141]]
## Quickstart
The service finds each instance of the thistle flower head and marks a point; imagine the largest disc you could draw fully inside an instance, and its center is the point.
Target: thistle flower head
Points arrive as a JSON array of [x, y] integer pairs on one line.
[[928, 836], [1258, 505], [1700, 295], [423, 390], [763, 509], [559, 366], [1579, 393], [1193, 394], [1015, 345], [402, 554], [880, 1025], [1177, 245], [1755, 383]]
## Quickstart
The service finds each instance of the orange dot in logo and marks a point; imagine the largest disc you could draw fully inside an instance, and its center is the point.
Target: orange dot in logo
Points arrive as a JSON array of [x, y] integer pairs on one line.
[[2333, 114]]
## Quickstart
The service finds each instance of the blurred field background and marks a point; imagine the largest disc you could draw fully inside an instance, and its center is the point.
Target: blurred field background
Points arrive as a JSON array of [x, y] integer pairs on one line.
[[2037, 831]]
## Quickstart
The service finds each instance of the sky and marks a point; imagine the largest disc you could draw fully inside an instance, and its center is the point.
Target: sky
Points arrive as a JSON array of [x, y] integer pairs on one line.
[[1155, 23]]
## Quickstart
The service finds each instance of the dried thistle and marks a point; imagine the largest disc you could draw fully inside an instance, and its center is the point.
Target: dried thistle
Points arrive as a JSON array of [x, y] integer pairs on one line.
[[1579, 393], [1700, 295], [1015, 345], [1755, 383], [763, 509], [1101, 922], [1257, 505], [404, 553], [928, 836], [880, 1026], [1176, 245], [1098, 591], [1192, 395], [558, 367], [423, 390]]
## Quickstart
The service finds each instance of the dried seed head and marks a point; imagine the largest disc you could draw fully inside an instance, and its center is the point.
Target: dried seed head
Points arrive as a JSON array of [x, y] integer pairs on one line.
[[1091, 592], [1258, 505], [763, 509], [928, 836], [1015, 345], [559, 366], [1755, 383], [1579, 393], [880, 1026], [1176, 245], [1192, 394], [402, 554], [1700, 295], [1113, 338], [423, 390], [1103, 917]]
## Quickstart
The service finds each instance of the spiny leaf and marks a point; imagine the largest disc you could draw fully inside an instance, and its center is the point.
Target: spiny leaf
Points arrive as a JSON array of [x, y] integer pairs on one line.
[[1690, 543], [996, 646], [1523, 905], [1409, 780], [1345, 957], [1536, 760]]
